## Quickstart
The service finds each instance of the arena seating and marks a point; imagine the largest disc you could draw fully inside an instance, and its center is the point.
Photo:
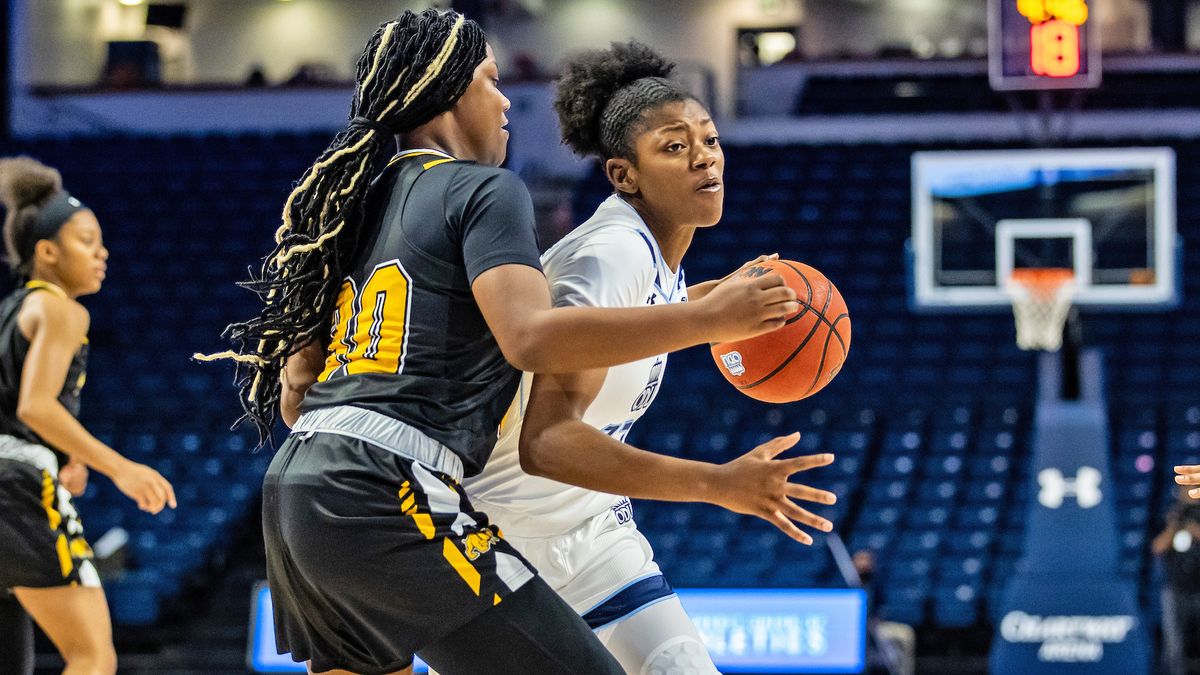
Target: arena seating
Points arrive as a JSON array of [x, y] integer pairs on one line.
[[840, 94], [930, 418]]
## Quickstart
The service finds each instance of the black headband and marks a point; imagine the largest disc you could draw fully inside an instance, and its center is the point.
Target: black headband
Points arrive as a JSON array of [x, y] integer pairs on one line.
[[50, 219]]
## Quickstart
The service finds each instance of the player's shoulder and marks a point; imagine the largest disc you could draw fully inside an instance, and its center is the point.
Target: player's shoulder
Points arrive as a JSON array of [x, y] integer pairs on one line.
[[470, 177], [614, 230], [56, 312]]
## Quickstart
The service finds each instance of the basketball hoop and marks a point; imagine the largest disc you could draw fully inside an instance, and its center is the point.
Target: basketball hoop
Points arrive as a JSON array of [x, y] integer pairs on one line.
[[1041, 299]]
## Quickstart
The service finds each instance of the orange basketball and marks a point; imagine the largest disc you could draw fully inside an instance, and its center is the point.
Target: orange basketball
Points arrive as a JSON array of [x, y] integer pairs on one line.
[[798, 359]]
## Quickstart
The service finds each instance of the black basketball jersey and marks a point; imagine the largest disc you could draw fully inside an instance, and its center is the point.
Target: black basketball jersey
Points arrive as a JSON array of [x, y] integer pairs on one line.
[[408, 340], [14, 347]]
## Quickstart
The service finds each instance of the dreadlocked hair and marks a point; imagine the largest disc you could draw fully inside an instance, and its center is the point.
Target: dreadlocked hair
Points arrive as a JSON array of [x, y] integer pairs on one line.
[[25, 186], [413, 69], [603, 95]]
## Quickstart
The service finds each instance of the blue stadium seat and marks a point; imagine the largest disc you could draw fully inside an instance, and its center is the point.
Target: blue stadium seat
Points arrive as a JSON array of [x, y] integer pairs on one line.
[[978, 517], [878, 518], [133, 599], [875, 540], [945, 466], [970, 542], [956, 607], [906, 604], [954, 442], [918, 543], [922, 518], [990, 466], [985, 491], [897, 466]]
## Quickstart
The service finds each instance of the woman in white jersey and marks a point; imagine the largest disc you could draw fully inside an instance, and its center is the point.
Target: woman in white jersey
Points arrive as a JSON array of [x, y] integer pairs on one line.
[[555, 497]]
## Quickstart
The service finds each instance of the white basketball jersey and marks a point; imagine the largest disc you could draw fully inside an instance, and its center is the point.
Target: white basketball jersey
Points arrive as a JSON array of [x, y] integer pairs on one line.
[[612, 260]]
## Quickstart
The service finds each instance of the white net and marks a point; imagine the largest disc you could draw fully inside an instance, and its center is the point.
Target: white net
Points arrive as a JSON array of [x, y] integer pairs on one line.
[[1041, 301]]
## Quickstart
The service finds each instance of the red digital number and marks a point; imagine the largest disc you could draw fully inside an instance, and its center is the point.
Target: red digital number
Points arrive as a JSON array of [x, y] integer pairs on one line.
[[1054, 49]]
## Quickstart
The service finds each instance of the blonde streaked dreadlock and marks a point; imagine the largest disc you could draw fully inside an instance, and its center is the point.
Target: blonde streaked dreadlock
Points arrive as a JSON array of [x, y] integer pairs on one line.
[[413, 69]]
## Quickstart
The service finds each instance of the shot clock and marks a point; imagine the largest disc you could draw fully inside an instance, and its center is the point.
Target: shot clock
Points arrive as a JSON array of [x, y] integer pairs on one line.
[[1043, 44]]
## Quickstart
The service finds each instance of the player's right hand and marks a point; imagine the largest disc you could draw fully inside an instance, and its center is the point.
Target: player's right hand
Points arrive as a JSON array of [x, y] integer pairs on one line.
[[145, 486], [745, 306], [74, 477], [1189, 475], [757, 484]]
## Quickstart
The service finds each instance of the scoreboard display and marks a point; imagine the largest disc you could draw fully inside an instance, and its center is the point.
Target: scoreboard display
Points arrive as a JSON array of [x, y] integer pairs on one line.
[[1043, 44]]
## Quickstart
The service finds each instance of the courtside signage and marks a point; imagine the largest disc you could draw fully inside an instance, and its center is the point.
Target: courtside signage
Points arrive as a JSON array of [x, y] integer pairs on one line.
[[745, 630]]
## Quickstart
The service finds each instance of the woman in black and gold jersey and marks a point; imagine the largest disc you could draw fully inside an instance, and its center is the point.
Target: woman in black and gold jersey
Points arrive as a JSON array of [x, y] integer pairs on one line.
[[395, 319], [55, 248]]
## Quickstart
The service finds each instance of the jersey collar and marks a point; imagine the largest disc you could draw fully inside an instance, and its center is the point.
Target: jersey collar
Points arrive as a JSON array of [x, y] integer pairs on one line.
[[46, 285], [438, 157], [665, 280]]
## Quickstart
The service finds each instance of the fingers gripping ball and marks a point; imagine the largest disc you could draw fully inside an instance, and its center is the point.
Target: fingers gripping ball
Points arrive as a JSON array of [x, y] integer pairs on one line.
[[805, 354]]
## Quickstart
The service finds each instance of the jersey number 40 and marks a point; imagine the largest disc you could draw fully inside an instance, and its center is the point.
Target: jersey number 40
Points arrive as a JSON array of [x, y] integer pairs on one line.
[[370, 324]]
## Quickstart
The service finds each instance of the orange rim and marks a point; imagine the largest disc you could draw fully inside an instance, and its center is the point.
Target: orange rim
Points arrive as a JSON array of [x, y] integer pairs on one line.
[[1042, 282]]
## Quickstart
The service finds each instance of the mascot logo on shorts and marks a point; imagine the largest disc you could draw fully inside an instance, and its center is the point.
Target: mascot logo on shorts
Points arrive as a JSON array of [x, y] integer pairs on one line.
[[733, 363], [478, 543], [623, 511]]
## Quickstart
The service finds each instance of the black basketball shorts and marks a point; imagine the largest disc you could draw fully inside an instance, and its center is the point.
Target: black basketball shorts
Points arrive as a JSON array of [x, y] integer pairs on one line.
[[372, 556], [41, 538]]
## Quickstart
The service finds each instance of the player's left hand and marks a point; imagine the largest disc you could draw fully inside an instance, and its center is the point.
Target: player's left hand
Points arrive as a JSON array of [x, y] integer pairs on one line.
[[74, 477], [1189, 475], [757, 484]]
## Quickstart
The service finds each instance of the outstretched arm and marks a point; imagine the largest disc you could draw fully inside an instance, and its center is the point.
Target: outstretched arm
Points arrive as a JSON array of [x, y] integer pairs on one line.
[[556, 443], [515, 301], [56, 327]]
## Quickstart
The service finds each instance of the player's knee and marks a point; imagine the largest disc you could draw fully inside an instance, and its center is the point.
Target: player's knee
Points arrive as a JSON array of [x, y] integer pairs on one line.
[[680, 656], [92, 658]]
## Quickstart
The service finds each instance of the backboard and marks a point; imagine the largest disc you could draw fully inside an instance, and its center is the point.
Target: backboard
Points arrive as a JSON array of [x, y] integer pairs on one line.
[[1108, 214]]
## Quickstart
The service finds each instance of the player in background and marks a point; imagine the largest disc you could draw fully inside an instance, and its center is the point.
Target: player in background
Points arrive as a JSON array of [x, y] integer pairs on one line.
[[556, 496], [393, 318], [56, 251]]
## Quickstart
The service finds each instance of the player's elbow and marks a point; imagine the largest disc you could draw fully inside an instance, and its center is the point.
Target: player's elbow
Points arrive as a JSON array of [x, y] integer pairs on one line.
[[532, 453], [289, 412], [33, 413], [522, 358], [526, 350]]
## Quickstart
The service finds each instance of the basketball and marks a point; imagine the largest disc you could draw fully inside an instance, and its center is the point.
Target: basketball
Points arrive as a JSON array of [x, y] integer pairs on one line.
[[798, 359]]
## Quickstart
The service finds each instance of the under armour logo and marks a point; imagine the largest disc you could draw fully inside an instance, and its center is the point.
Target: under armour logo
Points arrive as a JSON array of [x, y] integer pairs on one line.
[[1084, 487]]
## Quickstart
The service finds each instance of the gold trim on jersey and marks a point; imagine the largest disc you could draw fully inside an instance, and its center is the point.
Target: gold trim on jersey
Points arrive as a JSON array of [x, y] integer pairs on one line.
[[443, 157], [46, 285]]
